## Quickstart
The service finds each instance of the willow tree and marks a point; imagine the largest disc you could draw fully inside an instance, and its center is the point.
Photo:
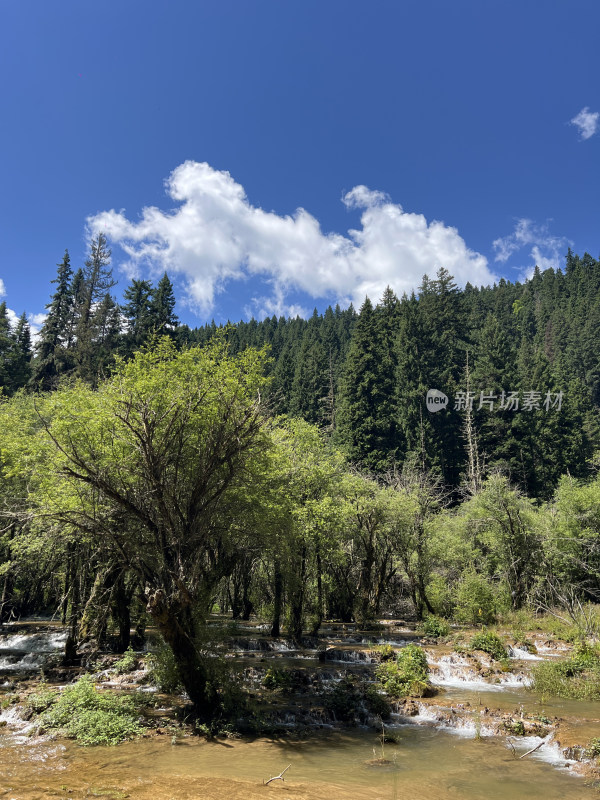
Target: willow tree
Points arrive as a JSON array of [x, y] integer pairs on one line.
[[159, 460]]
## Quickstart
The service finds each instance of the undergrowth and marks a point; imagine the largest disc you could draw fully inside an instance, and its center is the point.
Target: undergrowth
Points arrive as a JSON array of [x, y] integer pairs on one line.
[[407, 675], [83, 713], [576, 677]]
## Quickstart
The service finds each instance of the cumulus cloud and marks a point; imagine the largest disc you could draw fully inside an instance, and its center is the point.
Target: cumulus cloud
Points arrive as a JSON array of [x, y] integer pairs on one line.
[[545, 249], [214, 236], [587, 122]]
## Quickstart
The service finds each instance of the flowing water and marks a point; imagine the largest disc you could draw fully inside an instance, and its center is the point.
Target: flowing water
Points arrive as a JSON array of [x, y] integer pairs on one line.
[[444, 749]]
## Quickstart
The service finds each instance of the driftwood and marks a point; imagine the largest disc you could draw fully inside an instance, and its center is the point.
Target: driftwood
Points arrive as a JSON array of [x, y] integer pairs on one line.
[[278, 777], [533, 749]]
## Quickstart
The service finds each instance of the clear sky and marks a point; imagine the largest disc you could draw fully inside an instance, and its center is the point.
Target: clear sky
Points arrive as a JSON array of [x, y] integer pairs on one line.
[[275, 156]]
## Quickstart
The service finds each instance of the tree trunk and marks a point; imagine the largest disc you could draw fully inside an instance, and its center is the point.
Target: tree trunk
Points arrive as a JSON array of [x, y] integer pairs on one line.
[[178, 628], [277, 601], [121, 613]]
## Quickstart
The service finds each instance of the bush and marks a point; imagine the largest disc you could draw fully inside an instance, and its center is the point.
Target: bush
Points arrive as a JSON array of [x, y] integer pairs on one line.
[[127, 663], [376, 703], [440, 596], [385, 652], [344, 700], [593, 749], [277, 679], [475, 600], [407, 676], [163, 670], [83, 713], [489, 643], [435, 626]]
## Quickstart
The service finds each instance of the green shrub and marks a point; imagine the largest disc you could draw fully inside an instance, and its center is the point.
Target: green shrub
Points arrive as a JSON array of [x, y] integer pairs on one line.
[[344, 700], [475, 601], [385, 652], [407, 676], [593, 749], [436, 626], [440, 595], [376, 703], [127, 663], [41, 699], [83, 713], [277, 679], [491, 644], [162, 670]]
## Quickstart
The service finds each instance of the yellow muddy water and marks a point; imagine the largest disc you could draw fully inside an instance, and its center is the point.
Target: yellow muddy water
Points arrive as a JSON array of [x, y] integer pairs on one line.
[[425, 764]]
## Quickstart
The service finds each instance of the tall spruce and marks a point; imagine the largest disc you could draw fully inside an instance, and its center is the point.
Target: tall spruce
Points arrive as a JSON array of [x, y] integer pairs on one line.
[[54, 339]]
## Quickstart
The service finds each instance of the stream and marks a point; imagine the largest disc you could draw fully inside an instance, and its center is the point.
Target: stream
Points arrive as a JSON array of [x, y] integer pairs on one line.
[[443, 747]]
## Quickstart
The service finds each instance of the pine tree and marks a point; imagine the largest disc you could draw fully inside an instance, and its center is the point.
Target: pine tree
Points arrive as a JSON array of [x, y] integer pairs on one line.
[[20, 361], [367, 415], [6, 349], [138, 315], [97, 282], [51, 355], [162, 307]]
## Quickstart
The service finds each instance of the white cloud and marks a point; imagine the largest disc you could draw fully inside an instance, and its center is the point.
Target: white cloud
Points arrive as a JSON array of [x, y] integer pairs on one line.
[[587, 122], [546, 250], [215, 236]]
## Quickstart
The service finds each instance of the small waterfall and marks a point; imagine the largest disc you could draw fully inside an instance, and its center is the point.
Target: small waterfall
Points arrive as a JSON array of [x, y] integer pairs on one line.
[[28, 652], [456, 671], [520, 654]]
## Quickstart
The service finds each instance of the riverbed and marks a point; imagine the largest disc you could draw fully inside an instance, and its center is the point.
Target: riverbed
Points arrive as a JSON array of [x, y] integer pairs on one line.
[[444, 747]]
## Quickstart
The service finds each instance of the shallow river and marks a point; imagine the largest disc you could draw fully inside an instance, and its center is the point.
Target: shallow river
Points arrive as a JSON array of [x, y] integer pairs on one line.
[[426, 764]]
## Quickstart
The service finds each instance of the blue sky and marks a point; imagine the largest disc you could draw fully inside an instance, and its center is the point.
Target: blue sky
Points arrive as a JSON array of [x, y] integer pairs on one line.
[[277, 156]]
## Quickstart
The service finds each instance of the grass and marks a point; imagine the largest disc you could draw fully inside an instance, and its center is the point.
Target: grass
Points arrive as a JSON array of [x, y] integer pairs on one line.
[[575, 678]]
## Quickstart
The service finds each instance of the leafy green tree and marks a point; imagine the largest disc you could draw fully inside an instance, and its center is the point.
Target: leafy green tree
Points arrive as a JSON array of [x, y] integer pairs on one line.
[[152, 462]]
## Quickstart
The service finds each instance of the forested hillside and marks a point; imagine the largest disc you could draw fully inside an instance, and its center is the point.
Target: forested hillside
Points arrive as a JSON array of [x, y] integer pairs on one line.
[[362, 377]]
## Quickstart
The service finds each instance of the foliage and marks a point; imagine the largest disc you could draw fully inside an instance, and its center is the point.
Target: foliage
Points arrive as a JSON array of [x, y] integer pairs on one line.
[[407, 675], [475, 601], [83, 713], [386, 652], [577, 677], [127, 663], [436, 627], [162, 669], [593, 748], [490, 643], [275, 679]]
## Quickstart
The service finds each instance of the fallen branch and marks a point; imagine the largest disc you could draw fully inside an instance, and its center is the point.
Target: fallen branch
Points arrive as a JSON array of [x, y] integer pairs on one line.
[[533, 749], [278, 777]]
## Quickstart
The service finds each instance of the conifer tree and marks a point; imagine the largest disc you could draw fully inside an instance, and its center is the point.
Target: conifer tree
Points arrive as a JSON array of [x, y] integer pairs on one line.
[[367, 416], [162, 307], [54, 338], [20, 362], [6, 348]]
